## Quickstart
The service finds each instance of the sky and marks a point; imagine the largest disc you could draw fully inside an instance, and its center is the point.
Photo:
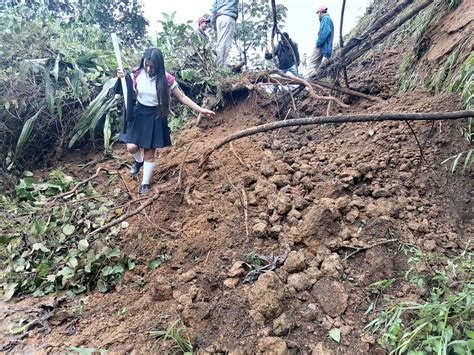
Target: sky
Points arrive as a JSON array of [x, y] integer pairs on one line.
[[302, 23]]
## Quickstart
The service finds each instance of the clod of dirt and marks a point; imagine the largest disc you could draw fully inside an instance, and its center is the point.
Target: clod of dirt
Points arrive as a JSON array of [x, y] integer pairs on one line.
[[321, 349], [282, 325], [300, 281], [332, 266], [264, 188], [231, 282], [331, 295], [272, 345], [322, 220], [187, 276], [266, 294], [236, 270], [295, 262], [281, 204], [259, 228], [379, 264], [163, 290], [197, 311]]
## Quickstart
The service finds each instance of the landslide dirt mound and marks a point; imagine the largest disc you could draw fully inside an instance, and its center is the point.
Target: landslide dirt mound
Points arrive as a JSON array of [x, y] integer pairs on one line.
[[322, 192], [346, 204]]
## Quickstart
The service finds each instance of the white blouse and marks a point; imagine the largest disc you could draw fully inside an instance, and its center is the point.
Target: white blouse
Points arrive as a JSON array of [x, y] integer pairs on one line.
[[146, 88]]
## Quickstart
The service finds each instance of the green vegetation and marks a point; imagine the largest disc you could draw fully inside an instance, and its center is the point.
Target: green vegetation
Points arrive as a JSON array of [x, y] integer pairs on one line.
[[44, 245], [442, 323], [176, 332]]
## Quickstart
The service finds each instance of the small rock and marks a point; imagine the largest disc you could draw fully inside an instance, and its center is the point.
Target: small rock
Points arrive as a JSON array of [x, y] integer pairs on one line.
[[378, 192], [236, 270], [300, 203], [294, 262], [231, 282], [187, 276], [259, 228], [280, 180]]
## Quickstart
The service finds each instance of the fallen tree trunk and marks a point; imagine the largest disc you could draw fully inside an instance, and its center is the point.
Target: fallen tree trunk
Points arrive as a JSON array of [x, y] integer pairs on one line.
[[347, 91], [434, 116], [360, 47], [373, 28]]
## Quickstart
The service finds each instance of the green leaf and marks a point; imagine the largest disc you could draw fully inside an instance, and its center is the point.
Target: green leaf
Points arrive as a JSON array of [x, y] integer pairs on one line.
[[113, 252], [73, 262], [24, 136], [335, 334], [107, 132], [155, 263], [108, 270], [83, 245], [40, 246], [68, 229], [9, 290], [102, 286], [40, 227]]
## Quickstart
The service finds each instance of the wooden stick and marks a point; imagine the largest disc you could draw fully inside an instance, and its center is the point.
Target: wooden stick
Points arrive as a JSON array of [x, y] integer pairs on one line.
[[73, 190], [237, 156]]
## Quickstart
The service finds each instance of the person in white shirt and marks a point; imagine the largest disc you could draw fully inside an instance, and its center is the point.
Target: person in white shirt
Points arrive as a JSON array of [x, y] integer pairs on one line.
[[146, 119]]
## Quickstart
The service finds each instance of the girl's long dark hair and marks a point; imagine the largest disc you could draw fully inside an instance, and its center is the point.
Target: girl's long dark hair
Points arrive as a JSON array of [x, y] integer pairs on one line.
[[155, 56]]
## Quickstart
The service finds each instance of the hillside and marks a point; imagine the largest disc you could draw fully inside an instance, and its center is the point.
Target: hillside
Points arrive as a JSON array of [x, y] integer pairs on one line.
[[336, 221]]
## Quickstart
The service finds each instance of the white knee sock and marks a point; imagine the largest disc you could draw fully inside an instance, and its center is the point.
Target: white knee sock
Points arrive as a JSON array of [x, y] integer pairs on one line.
[[147, 172], [138, 156]]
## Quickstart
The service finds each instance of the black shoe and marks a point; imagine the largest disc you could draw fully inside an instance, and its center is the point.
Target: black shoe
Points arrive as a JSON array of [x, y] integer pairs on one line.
[[135, 168], [144, 189]]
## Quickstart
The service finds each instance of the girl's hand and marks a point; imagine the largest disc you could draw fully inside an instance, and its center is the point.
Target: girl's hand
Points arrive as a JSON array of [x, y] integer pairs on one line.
[[206, 112], [120, 73]]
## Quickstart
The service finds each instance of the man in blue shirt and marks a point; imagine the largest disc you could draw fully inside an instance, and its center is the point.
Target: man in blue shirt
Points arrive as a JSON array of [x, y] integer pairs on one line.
[[323, 50]]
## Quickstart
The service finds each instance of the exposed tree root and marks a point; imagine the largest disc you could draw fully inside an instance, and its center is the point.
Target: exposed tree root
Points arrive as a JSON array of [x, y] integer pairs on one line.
[[358, 250], [312, 93]]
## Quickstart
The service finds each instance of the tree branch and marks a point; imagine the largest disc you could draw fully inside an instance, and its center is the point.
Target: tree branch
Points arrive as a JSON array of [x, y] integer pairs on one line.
[[432, 116]]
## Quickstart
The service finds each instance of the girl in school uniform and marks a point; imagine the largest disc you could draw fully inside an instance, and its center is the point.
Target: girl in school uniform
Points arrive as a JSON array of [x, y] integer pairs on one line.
[[146, 117]]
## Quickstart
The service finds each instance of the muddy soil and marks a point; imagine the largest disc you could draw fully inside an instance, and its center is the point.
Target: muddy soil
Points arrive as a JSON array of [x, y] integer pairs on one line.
[[349, 203]]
